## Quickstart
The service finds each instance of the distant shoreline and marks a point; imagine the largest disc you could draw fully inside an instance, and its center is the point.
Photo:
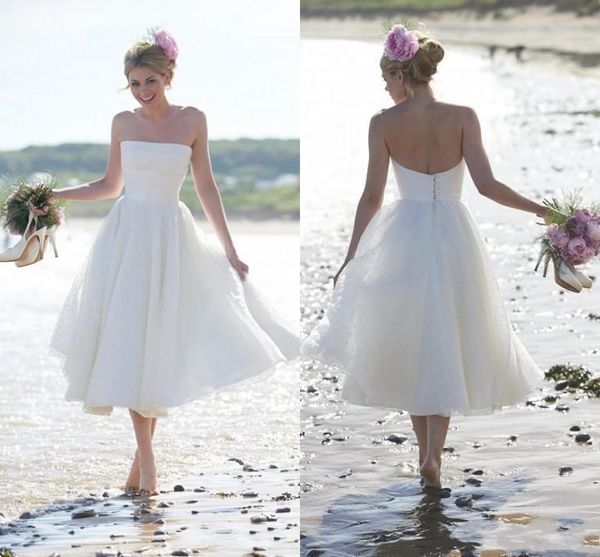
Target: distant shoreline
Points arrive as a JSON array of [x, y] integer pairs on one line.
[[542, 32]]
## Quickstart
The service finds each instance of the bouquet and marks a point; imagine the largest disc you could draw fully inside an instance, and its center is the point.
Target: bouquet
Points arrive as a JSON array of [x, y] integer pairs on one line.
[[20, 198], [23, 203], [572, 238]]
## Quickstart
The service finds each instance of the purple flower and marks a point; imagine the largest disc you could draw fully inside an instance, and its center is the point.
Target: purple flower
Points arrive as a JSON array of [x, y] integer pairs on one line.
[[582, 215], [401, 44], [593, 231], [167, 42], [558, 236], [576, 249]]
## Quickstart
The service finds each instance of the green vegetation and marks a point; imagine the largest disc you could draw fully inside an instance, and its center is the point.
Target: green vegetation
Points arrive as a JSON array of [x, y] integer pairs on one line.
[[238, 165], [373, 8], [574, 378]]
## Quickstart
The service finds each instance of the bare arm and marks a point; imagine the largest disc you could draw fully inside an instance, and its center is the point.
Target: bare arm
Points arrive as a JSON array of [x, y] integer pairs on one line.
[[481, 171], [206, 187], [208, 192], [110, 185], [372, 196]]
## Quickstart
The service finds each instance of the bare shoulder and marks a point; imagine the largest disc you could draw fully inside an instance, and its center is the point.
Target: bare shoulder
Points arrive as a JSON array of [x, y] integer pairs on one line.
[[454, 111], [378, 119], [194, 114]]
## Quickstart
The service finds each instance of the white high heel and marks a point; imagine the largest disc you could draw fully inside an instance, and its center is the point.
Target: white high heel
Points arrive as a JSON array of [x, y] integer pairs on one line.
[[583, 279], [50, 236], [15, 252], [34, 249]]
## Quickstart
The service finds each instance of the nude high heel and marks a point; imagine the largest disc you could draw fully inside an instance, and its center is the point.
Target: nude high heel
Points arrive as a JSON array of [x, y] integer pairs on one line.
[[583, 279], [34, 249], [15, 252], [50, 236], [564, 277]]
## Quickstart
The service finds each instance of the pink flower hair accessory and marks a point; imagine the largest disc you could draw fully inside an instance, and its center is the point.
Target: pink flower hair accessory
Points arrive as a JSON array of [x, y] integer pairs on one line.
[[401, 44], [167, 42]]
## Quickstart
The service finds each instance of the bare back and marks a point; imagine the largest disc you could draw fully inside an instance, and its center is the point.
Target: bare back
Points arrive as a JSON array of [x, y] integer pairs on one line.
[[425, 137]]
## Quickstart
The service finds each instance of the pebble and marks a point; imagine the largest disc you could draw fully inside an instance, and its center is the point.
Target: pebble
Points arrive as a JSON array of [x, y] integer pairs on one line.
[[564, 470], [583, 438], [178, 487], [398, 439], [85, 513]]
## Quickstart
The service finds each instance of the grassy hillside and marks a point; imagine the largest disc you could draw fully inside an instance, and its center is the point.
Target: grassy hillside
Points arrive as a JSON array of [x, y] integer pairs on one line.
[[241, 168]]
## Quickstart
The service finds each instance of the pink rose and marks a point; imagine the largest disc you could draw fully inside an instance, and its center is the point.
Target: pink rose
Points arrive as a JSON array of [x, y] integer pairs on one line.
[[576, 249], [558, 236], [167, 42], [593, 231], [401, 44]]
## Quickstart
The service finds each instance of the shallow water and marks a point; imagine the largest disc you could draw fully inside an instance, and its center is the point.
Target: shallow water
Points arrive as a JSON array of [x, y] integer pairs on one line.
[[361, 494], [50, 449]]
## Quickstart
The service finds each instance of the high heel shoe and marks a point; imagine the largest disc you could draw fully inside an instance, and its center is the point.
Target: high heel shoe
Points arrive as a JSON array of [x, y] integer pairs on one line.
[[15, 252], [34, 249], [583, 279], [50, 236], [563, 276]]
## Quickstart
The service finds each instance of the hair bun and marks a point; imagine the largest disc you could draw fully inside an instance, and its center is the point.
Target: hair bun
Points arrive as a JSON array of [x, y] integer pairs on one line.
[[433, 50]]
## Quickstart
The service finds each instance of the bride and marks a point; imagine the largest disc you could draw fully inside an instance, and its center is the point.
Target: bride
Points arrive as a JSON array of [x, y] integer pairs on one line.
[[416, 319], [157, 316]]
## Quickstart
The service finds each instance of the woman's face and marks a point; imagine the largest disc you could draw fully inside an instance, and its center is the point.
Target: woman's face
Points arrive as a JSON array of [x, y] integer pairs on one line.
[[147, 86], [394, 85]]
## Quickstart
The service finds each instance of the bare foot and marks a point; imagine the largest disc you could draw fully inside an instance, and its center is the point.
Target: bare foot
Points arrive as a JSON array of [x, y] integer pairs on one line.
[[430, 471], [133, 481], [148, 480]]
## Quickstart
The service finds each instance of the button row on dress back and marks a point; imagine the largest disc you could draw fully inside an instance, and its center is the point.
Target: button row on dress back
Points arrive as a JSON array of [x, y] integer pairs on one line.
[[434, 187]]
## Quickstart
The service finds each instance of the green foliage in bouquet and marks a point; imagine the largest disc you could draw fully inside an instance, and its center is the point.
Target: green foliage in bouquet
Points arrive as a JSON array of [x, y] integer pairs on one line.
[[561, 209], [17, 198]]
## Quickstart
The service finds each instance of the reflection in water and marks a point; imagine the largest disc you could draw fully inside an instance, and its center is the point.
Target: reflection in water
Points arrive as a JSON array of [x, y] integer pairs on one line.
[[403, 520]]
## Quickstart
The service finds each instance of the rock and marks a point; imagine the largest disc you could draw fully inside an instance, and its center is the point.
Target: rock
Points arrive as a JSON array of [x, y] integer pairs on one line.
[[238, 460], [159, 533], [574, 428], [85, 513], [513, 438], [283, 510], [346, 473], [262, 518], [250, 494], [178, 487], [398, 439], [464, 501], [26, 515], [561, 408], [473, 481], [199, 490], [583, 438], [249, 468], [450, 450], [160, 521], [564, 470], [477, 472]]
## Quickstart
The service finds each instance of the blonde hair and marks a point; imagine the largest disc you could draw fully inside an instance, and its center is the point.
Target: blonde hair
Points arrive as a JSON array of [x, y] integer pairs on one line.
[[421, 67], [148, 55]]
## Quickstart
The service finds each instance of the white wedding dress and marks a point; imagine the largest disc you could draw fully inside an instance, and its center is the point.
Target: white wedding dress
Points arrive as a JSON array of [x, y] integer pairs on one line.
[[157, 316], [416, 320]]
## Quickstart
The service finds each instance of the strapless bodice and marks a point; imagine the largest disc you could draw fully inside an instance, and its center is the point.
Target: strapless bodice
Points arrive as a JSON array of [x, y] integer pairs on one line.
[[154, 171], [419, 186]]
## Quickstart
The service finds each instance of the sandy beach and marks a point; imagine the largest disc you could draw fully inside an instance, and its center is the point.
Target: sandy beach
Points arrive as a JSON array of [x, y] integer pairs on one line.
[[547, 35], [520, 483]]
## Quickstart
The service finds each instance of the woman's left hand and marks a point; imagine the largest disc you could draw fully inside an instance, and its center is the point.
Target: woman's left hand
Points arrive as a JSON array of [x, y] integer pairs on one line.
[[240, 267]]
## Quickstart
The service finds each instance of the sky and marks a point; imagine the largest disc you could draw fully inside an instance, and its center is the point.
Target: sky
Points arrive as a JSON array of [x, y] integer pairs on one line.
[[63, 66]]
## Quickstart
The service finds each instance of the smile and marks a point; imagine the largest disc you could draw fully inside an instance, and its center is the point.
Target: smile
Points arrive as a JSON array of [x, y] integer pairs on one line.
[[148, 99]]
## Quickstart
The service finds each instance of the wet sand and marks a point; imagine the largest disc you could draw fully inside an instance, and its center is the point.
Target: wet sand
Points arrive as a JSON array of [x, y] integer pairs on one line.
[[234, 510], [512, 490]]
